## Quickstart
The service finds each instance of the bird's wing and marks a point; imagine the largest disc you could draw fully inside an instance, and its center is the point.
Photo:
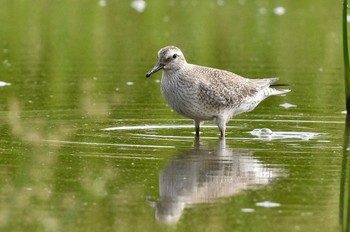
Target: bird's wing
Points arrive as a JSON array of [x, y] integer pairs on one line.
[[223, 88]]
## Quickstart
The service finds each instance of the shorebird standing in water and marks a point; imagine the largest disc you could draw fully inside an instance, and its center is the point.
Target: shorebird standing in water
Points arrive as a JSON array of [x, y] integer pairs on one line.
[[203, 93]]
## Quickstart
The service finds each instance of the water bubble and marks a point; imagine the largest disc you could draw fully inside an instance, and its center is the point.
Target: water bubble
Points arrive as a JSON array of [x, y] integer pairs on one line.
[[269, 134], [255, 132], [261, 132], [265, 131], [102, 3], [280, 10], [138, 5], [130, 83]]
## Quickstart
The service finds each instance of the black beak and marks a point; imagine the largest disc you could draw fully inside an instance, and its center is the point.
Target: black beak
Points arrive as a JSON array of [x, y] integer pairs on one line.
[[156, 68]]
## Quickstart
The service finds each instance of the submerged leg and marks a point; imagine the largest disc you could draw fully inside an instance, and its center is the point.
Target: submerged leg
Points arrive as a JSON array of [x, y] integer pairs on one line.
[[197, 124], [221, 122], [222, 130]]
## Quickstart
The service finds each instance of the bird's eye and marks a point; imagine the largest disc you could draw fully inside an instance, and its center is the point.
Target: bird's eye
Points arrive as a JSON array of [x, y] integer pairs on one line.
[[174, 56]]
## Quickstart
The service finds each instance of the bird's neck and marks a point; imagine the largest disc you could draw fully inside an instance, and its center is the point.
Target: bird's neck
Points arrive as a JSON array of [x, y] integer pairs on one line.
[[175, 71]]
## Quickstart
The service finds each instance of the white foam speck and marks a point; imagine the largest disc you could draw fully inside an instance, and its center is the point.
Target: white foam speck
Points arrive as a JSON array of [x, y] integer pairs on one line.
[[130, 83], [248, 210], [287, 105], [268, 204], [2, 83], [102, 3], [344, 112], [348, 18], [138, 5], [280, 10]]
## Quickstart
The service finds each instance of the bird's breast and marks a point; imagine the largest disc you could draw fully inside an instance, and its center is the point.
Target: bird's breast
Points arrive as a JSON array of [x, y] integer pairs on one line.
[[182, 94]]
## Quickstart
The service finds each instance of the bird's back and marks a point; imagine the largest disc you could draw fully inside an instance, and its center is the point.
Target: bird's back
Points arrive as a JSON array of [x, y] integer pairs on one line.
[[202, 92], [226, 89]]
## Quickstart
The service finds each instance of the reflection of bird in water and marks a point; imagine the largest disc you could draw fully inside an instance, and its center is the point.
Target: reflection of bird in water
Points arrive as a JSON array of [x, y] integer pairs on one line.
[[201, 175]]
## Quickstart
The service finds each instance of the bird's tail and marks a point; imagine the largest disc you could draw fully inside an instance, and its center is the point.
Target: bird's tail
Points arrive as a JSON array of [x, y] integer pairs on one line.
[[273, 91], [268, 84], [274, 85]]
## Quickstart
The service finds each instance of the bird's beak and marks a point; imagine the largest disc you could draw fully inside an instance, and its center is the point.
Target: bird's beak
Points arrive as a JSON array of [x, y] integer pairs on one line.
[[156, 68]]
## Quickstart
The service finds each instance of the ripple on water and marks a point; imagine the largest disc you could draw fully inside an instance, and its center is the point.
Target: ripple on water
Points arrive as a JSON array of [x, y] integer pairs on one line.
[[148, 127], [266, 133]]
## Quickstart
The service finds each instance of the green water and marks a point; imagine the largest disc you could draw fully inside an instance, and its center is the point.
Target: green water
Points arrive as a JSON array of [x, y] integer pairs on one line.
[[88, 143]]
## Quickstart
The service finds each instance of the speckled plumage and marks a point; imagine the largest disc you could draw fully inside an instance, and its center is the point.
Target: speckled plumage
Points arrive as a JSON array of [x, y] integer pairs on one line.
[[203, 93]]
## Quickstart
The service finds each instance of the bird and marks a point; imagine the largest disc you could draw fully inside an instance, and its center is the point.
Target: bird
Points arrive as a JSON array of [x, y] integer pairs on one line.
[[203, 94]]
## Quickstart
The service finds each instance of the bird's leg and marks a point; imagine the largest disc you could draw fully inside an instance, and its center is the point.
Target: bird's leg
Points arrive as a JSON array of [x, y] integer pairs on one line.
[[197, 124], [222, 131], [221, 122]]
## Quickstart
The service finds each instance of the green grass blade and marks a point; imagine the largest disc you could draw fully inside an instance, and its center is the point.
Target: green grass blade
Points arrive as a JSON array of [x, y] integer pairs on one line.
[[346, 56]]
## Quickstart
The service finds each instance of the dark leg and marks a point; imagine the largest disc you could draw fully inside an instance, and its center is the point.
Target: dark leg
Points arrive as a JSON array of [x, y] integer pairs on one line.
[[197, 124], [222, 132]]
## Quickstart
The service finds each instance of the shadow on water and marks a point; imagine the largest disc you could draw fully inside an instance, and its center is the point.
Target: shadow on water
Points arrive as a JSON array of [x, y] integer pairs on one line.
[[202, 175], [344, 197]]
